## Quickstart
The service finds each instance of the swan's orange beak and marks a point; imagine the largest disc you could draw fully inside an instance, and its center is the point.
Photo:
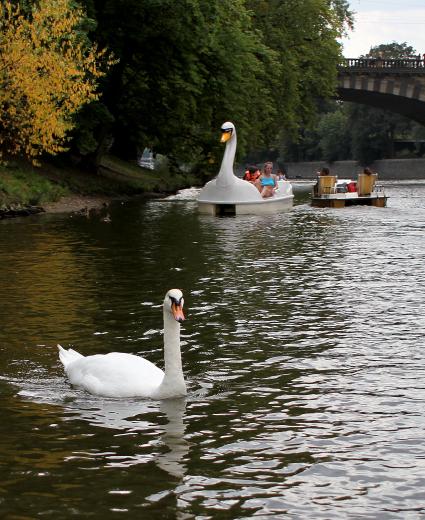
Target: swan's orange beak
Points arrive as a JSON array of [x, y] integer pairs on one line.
[[225, 136], [177, 311]]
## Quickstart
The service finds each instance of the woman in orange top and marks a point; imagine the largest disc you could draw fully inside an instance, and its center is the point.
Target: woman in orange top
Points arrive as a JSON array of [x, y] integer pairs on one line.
[[251, 175]]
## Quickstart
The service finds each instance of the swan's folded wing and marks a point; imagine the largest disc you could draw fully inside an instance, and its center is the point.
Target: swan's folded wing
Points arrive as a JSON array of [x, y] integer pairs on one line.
[[116, 375]]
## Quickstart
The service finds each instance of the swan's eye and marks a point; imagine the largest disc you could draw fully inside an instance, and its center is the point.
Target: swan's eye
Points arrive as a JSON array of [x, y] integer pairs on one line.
[[176, 302], [227, 131]]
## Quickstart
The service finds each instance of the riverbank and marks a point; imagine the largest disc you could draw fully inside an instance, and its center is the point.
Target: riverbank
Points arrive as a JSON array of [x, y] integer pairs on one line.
[[75, 203], [54, 188]]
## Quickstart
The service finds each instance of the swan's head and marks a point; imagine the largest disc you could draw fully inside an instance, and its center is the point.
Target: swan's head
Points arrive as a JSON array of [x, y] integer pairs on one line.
[[173, 302], [227, 131]]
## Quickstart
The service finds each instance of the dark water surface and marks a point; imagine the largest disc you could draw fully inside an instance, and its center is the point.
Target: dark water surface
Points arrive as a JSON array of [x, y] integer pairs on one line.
[[303, 350]]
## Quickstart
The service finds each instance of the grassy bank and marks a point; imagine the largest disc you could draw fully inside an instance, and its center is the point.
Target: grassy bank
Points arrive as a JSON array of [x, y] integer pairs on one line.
[[24, 185]]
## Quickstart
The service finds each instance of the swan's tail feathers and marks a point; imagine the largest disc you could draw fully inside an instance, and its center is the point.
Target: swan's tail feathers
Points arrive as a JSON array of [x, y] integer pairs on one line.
[[68, 356]]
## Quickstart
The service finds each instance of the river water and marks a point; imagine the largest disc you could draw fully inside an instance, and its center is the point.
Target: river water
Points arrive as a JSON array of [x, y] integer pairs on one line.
[[303, 350]]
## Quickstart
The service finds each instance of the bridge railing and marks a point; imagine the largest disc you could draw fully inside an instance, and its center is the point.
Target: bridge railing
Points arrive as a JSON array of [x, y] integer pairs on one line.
[[404, 64]]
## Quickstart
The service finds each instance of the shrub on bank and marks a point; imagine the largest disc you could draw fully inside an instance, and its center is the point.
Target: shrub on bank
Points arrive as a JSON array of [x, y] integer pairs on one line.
[[22, 184], [26, 188]]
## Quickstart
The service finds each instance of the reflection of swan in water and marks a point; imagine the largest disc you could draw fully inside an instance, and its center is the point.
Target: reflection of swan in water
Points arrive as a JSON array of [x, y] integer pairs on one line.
[[117, 415], [167, 445], [129, 417], [173, 460]]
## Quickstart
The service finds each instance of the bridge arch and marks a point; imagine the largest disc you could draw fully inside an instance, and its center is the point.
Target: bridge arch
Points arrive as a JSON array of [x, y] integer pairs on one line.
[[395, 85]]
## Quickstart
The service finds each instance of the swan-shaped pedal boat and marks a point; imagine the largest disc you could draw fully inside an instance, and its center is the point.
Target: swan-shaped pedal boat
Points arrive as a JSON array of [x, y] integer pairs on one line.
[[118, 374], [229, 195]]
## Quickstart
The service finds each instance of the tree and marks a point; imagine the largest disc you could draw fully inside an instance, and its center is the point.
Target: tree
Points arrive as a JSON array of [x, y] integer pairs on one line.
[[185, 68], [329, 139], [334, 136], [48, 71], [373, 131], [304, 36], [392, 50], [188, 66]]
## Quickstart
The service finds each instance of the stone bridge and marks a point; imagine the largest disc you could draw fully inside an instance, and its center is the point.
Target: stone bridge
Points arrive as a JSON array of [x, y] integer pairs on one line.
[[396, 85]]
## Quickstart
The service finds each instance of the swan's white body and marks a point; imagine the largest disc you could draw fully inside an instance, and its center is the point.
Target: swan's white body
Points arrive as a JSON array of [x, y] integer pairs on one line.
[[124, 375], [229, 194]]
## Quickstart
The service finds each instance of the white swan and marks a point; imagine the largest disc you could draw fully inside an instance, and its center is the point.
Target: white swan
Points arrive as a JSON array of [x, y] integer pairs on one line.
[[124, 375], [226, 187]]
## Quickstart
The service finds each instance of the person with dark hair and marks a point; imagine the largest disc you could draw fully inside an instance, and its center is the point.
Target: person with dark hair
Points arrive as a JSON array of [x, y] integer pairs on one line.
[[324, 171], [366, 182], [280, 175], [251, 174]]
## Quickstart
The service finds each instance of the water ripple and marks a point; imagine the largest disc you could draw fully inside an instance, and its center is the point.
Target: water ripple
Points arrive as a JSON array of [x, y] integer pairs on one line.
[[303, 351]]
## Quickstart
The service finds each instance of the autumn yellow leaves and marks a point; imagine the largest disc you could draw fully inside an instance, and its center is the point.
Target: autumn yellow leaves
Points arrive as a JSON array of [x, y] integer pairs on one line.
[[48, 71]]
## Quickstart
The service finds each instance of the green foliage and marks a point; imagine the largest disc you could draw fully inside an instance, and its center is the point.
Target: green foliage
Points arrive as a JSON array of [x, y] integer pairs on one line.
[[21, 184], [329, 139], [351, 131], [373, 131], [94, 122], [303, 34], [392, 50], [185, 67], [334, 136], [26, 187], [188, 66]]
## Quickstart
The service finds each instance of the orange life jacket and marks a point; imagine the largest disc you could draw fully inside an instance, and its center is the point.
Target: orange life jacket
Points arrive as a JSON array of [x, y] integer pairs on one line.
[[251, 177]]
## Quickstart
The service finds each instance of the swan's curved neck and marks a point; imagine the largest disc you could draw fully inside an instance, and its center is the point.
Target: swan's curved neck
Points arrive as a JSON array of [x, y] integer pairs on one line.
[[226, 176], [173, 384], [172, 354]]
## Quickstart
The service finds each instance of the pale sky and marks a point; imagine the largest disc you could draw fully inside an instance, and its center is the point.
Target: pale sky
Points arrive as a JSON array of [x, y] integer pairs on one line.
[[385, 21]]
